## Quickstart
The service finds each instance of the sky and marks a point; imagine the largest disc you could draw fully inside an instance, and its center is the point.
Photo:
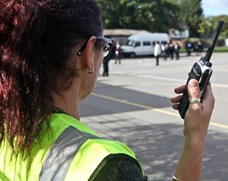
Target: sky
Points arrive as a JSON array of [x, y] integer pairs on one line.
[[215, 7]]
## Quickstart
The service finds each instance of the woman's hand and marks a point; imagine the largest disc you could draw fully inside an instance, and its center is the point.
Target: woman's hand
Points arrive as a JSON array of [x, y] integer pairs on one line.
[[198, 115], [196, 123]]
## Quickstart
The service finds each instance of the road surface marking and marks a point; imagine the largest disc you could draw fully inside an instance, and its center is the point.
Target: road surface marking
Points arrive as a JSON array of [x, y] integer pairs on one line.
[[151, 108]]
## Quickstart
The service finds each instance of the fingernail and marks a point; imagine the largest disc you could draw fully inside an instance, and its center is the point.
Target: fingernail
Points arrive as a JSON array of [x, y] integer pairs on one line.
[[192, 83]]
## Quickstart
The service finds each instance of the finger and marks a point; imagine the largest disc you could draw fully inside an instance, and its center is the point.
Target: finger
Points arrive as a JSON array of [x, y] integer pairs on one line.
[[180, 89], [175, 106], [176, 99]]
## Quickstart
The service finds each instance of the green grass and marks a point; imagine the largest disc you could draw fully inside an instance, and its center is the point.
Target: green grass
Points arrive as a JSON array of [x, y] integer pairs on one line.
[[217, 49], [221, 49]]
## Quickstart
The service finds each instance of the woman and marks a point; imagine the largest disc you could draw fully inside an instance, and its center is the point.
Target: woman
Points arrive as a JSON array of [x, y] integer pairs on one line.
[[51, 52]]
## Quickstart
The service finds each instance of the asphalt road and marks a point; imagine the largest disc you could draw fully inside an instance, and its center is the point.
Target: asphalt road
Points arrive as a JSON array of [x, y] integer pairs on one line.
[[133, 105]]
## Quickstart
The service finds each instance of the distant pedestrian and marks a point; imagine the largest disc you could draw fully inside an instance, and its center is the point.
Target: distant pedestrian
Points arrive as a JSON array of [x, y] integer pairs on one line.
[[166, 53], [171, 51], [177, 50], [163, 50], [117, 53], [189, 47], [198, 47], [157, 52], [106, 66]]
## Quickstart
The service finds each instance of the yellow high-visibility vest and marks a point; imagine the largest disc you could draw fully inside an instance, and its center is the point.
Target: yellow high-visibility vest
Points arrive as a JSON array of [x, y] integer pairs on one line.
[[67, 150]]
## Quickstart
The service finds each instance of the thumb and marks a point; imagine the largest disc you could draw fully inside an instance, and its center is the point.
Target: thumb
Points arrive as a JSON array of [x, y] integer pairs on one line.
[[193, 89], [194, 95]]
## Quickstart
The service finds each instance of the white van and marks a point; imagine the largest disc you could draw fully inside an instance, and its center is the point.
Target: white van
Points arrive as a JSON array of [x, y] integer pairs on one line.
[[142, 44]]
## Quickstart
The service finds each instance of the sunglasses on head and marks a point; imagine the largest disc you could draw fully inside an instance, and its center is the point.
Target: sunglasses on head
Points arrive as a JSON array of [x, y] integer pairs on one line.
[[107, 44]]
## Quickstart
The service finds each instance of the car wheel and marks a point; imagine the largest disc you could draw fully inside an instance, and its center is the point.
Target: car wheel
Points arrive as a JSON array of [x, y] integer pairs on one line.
[[132, 55]]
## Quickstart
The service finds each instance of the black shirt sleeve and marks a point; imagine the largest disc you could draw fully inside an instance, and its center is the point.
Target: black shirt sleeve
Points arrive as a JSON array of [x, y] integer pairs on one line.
[[118, 169]]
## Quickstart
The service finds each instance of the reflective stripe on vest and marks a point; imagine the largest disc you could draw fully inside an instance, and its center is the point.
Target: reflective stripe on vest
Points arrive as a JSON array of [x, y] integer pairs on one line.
[[76, 155], [61, 154]]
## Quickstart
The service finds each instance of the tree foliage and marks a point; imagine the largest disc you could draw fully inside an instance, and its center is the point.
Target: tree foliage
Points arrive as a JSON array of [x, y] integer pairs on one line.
[[191, 14], [208, 26], [156, 15], [159, 16], [215, 20]]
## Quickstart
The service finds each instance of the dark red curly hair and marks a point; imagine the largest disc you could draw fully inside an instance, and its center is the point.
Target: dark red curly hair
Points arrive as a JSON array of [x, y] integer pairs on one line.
[[36, 41]]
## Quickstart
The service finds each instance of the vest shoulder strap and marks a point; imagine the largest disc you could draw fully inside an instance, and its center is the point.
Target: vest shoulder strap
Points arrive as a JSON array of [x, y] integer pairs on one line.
[[76, 153]]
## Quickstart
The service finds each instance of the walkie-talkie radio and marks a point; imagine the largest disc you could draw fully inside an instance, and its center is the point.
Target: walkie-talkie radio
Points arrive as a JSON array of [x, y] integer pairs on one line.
[[200, 71]]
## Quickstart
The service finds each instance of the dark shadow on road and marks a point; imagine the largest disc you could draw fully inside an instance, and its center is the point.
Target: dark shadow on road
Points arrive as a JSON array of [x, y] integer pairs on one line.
[[158, 147], [106, 106]]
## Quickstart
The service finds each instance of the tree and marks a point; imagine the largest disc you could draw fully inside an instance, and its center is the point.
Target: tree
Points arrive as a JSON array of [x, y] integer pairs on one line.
[[224, 32], [191, 14], [157, 16], [150, 15], [208, 26], [205, 28]]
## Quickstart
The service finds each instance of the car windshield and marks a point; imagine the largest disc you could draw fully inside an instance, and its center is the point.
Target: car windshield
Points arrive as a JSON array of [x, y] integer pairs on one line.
[[130, 43]]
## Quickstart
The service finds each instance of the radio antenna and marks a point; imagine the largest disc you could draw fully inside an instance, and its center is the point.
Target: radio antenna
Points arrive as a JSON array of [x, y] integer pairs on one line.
[[213, 42]]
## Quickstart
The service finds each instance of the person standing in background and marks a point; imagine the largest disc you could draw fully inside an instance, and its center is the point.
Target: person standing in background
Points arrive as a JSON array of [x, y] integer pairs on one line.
[[177, 50], [171, 50], [166, 51], [106, 66], [157, 52], [117, 53], [188, 47]]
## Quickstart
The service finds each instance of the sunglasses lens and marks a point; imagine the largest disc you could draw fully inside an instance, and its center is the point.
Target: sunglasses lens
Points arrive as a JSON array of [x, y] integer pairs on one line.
[[106, 49], [107, 44]]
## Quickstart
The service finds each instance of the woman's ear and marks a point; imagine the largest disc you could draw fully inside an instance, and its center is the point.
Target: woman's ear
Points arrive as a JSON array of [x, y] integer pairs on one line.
[[88, 54]]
